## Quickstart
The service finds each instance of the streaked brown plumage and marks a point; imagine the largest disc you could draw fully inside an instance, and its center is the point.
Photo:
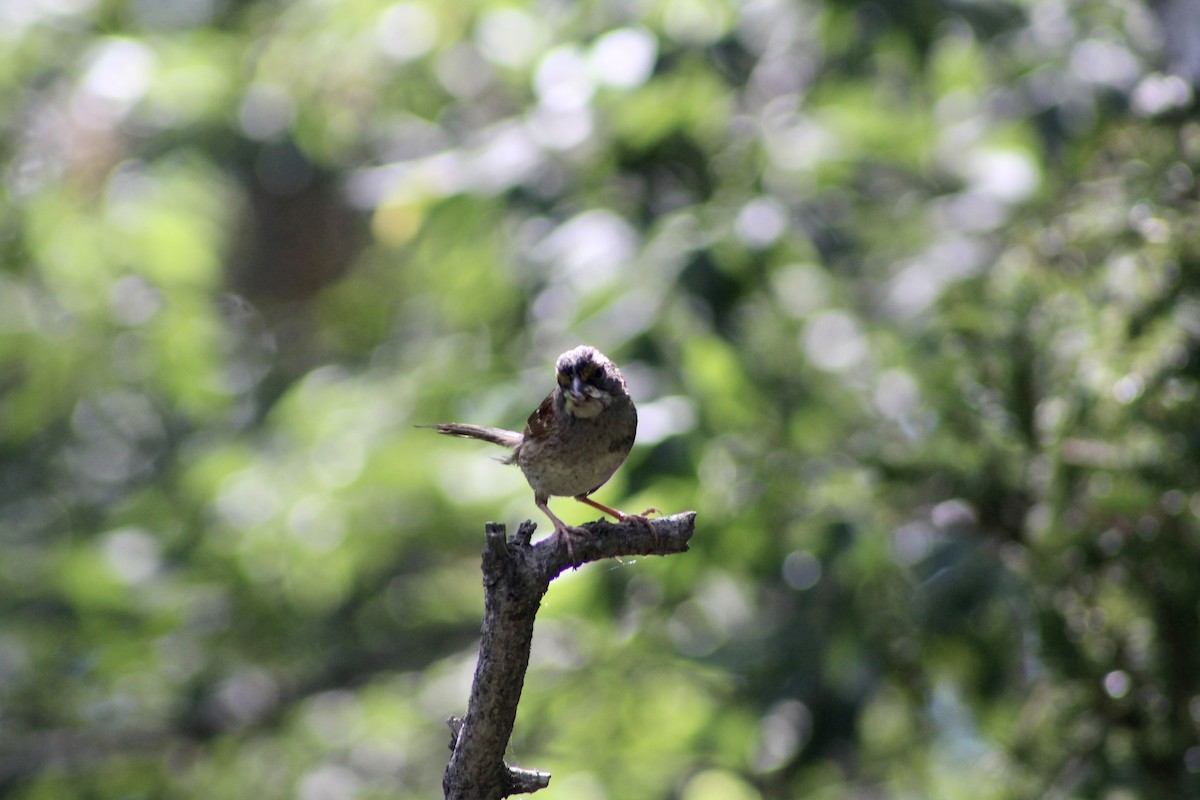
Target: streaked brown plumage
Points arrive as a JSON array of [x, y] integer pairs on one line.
[[575, 440]]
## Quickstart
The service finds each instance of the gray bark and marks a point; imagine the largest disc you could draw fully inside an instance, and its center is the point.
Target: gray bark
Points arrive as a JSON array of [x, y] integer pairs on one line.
[[516, 574]]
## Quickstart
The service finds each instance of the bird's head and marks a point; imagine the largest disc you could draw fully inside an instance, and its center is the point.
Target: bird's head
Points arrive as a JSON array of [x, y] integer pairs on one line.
[[588, 381]]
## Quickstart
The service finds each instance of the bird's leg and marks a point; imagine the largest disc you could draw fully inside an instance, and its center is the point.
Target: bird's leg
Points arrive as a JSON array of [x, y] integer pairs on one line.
[[620, 516], [561, 529]]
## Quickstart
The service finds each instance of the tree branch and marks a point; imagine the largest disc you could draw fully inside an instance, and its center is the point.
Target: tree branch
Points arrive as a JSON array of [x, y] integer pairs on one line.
[[516, 574]]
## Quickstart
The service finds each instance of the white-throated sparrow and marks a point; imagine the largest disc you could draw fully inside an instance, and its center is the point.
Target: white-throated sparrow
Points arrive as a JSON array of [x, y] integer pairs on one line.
[[575, 440]]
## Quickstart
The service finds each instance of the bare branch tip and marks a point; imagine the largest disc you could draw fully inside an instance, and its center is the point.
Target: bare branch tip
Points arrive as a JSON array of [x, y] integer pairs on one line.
[[496, 538], [525, 532], [527, 781]]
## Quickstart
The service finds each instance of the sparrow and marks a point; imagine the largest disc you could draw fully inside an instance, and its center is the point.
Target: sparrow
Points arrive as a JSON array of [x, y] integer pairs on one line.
[[575, 440]]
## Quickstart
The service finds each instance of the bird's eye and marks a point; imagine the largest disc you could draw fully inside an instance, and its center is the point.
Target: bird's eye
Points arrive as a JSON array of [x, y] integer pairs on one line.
[[563, 379], [587, 372]]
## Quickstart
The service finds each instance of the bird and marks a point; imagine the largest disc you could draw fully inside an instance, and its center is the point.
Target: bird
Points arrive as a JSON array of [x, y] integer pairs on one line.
[[575, 440]]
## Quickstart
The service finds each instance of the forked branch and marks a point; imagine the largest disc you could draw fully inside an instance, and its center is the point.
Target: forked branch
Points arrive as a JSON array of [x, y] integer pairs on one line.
[[516, 574]]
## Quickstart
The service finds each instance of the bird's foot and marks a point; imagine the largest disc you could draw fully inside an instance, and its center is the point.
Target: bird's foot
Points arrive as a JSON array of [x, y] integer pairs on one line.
[[564, 533], [642, 517], [643, 520], [619, 516]]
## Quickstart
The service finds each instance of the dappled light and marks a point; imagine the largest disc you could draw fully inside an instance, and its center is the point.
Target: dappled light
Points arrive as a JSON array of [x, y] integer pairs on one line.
[[904, 294]]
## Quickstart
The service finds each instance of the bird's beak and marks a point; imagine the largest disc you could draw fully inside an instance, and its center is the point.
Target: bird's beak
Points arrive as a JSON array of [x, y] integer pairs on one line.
[[575, 391]]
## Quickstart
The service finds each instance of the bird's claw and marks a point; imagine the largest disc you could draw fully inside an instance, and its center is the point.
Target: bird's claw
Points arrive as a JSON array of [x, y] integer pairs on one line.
[[641, 519], [564, 535]]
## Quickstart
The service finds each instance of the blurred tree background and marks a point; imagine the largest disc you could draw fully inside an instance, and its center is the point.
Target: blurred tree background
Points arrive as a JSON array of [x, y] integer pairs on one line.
[[907, 294]]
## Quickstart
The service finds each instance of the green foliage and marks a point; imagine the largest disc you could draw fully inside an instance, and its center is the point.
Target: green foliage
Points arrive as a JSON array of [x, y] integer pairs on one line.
[[906, 293]]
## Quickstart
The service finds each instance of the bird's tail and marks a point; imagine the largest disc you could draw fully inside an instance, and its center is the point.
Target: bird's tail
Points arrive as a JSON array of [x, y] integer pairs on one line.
[[500, 436]]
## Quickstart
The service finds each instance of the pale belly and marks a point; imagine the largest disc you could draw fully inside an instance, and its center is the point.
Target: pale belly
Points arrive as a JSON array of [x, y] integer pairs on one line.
[[581, 459], [568, 477]]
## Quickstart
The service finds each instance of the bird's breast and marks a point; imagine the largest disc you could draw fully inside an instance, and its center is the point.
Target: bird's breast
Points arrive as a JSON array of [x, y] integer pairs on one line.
[[580, 455]]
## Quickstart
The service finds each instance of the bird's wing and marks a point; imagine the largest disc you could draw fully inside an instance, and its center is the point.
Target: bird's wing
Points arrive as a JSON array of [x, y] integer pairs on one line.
[[541, 419]]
